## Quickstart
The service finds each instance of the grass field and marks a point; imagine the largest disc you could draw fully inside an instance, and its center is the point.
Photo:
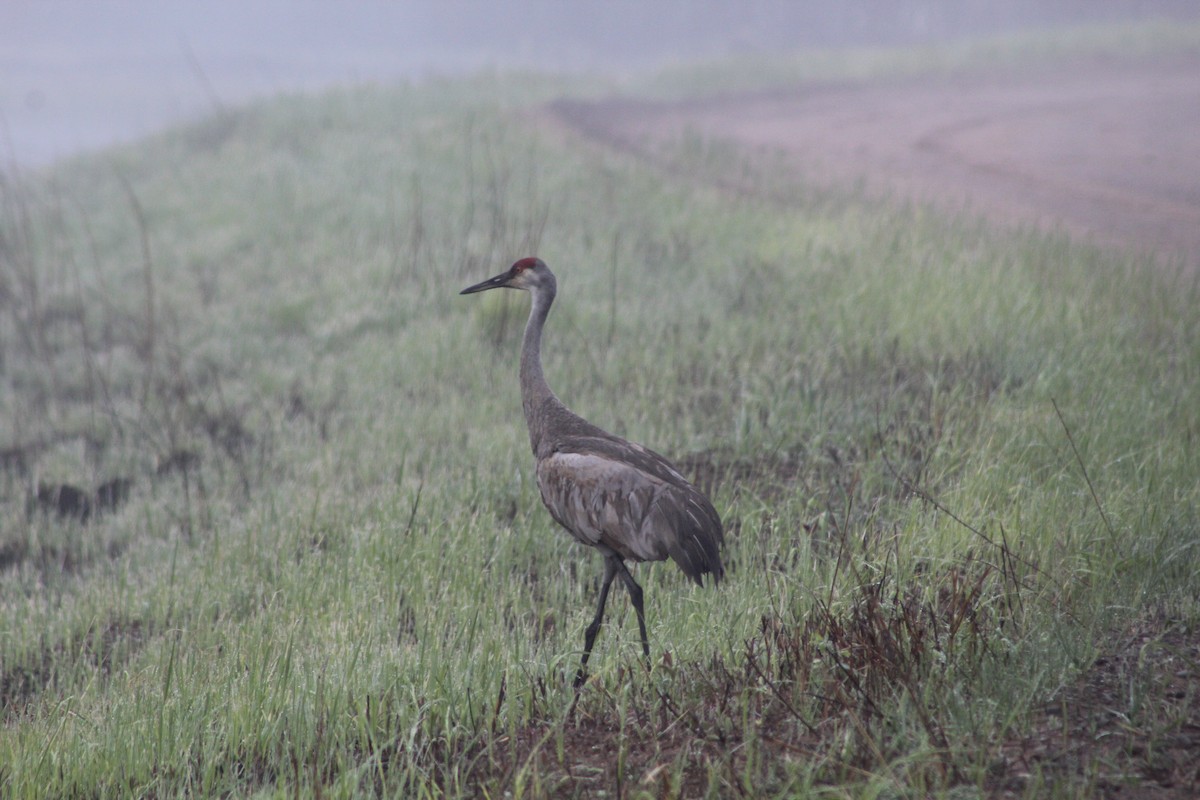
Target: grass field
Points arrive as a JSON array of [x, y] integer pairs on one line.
[[957, 468]]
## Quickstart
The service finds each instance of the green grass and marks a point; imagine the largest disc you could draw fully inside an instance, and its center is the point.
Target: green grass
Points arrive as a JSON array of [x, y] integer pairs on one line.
[[357, 592]]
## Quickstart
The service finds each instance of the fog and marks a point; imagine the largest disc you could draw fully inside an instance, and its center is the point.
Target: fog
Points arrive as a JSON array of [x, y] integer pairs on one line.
[[80, 75]]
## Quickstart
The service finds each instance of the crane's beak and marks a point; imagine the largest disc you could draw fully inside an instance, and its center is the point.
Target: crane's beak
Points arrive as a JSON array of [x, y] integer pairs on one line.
[[491, 283]]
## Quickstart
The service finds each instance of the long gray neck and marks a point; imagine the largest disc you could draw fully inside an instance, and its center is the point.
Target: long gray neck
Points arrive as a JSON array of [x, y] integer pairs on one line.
[[538, 401]]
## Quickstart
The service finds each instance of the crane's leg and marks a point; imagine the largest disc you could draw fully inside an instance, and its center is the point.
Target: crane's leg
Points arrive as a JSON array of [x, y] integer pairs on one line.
[[611, 565], [635, 594]]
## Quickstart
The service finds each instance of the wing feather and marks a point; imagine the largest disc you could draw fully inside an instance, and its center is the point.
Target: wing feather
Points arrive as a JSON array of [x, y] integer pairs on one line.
[[628, 499]]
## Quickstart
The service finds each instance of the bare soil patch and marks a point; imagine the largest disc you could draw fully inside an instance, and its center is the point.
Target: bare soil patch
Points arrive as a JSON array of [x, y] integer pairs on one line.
[[1105, 151], [1129, 725]]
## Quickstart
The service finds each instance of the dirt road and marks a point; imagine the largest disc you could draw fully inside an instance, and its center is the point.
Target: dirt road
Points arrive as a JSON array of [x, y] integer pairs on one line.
[[1106, 151]]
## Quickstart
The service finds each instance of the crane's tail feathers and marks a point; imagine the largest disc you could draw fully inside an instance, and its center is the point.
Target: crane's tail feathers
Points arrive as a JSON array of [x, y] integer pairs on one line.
[[695, 563], [697, 537]]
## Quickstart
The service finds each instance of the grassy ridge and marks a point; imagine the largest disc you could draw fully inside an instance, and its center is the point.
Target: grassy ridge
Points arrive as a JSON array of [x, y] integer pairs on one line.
[[355, 589], [1152, 38]]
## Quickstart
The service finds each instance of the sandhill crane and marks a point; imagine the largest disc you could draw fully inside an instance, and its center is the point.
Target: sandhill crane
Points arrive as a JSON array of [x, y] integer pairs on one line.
[[626, 501]]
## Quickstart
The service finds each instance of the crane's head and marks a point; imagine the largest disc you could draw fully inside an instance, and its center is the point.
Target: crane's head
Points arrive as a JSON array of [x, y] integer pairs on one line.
[[530, 274]]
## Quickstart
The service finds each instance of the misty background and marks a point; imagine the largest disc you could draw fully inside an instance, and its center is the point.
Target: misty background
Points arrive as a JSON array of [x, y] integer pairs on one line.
[[78, 75]]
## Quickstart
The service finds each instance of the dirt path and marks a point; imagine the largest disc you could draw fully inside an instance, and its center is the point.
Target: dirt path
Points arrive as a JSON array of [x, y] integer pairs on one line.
[[1105, 151]]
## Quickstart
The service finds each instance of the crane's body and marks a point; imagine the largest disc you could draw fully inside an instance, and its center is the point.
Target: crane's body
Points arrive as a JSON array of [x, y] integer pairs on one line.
[[623, 499]]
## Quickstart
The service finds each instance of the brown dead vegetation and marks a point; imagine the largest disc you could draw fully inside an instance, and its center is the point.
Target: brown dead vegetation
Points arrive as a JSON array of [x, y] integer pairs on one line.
[[815, 690]]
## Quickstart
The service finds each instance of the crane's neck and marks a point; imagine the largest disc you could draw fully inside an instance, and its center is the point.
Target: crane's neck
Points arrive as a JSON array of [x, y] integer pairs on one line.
[[537, 399]]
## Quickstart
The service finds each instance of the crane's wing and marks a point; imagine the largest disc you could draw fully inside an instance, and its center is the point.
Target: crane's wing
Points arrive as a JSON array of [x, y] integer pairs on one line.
[[631, 500]]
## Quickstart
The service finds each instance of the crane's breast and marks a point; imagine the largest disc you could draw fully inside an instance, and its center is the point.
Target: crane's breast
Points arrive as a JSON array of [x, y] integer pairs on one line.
[[602, 501]]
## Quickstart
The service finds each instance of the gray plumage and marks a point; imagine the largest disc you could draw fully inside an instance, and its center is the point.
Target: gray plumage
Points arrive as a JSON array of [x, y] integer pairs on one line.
[[625, 500]]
